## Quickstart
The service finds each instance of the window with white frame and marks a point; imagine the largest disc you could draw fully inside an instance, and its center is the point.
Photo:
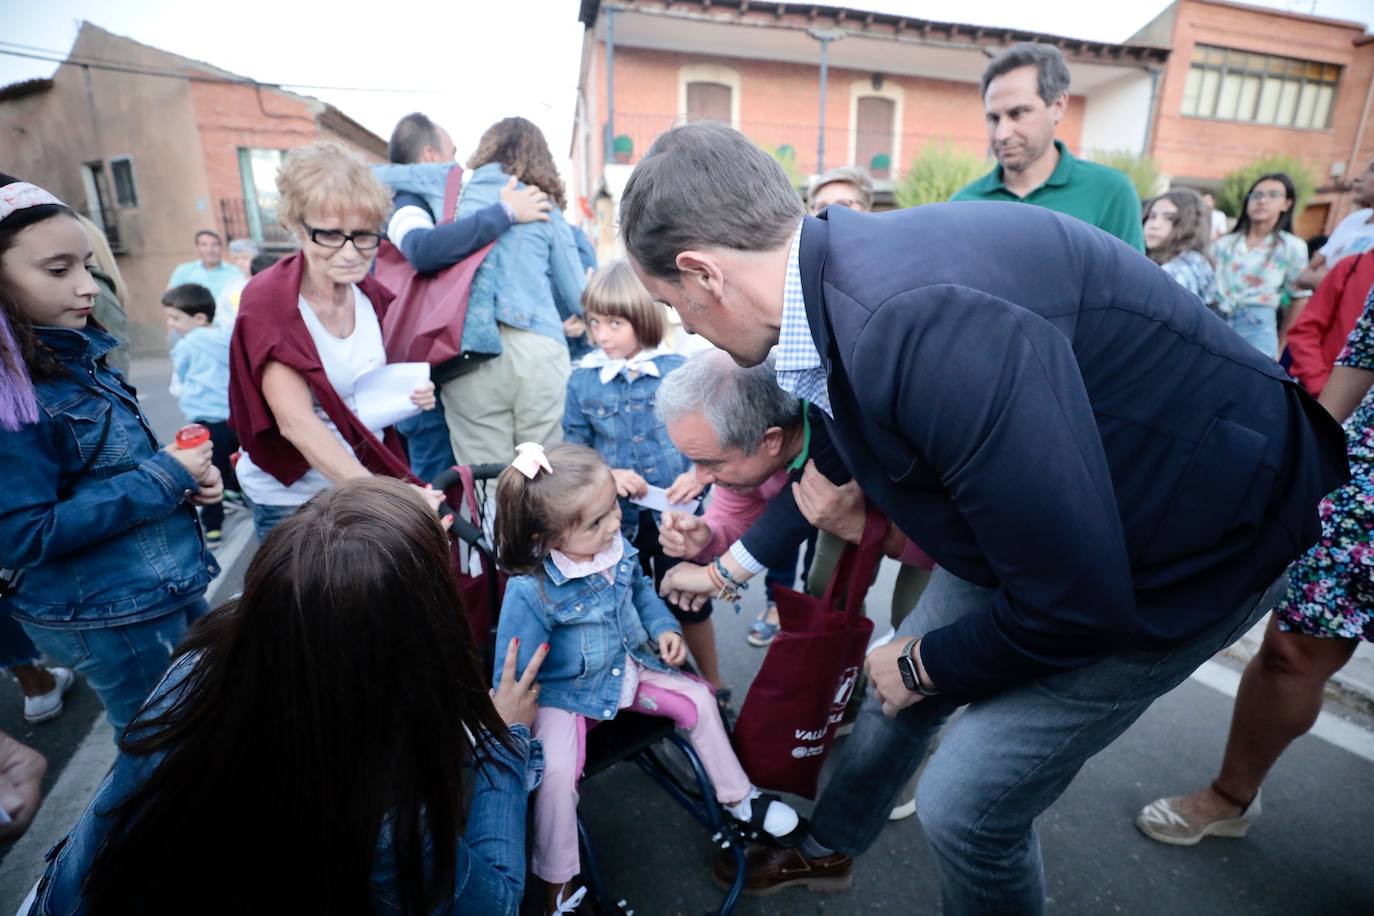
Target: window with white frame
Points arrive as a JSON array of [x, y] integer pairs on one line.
[[709, 92], [1236, 85], [875, 117]]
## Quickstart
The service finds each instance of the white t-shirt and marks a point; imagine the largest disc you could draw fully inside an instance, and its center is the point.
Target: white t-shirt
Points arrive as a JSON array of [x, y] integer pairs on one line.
[[1219, 224], [344, 359], [1353, 235]]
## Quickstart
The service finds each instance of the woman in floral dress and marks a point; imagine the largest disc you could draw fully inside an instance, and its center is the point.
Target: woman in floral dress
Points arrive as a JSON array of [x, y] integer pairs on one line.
[[1328, 609]]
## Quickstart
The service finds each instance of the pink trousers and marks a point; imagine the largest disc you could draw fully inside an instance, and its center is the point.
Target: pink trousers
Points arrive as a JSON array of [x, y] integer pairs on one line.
[[690, 703]]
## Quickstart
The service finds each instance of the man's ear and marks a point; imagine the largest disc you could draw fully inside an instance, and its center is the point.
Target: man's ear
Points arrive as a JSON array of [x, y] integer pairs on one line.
[[701, 271], [1060, 105], [772, 441]]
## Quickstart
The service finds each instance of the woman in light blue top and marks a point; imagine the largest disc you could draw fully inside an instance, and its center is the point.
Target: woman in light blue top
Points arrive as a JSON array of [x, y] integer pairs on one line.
[[529, 284]]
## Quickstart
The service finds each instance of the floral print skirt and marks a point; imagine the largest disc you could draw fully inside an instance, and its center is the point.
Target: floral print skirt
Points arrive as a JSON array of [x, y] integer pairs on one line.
[[1331, 587]]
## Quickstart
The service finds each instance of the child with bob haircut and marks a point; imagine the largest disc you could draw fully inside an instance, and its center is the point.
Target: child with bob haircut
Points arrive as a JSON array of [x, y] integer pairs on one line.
[[610, 407], [577, 589]]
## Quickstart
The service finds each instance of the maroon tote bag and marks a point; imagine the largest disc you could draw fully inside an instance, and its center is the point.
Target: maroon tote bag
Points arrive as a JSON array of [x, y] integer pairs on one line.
[[425, 321], [797, 700]]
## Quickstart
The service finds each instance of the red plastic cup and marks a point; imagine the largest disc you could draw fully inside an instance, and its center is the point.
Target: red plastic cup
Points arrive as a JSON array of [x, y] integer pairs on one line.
[[191, 435]]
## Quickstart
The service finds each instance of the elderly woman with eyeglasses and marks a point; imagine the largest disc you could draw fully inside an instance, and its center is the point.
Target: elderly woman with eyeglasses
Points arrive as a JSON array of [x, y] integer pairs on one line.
[[308, 328]]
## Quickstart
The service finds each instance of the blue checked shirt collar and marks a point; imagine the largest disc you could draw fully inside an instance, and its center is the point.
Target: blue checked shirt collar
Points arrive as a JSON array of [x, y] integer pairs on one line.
[[796, 359]]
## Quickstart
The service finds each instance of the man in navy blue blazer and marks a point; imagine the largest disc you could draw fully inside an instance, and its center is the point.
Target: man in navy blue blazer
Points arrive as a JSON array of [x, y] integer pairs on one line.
[[1110, 480]]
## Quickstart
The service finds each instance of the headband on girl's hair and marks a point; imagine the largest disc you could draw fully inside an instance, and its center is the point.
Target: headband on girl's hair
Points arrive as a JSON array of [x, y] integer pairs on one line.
[[529, 458], [18, 404], [21, 195]]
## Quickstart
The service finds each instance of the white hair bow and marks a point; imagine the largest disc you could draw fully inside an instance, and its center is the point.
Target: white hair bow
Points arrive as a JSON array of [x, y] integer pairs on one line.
[[529, 458]]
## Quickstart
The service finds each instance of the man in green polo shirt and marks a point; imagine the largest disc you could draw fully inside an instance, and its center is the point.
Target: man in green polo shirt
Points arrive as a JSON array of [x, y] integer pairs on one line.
[[1025, 93]]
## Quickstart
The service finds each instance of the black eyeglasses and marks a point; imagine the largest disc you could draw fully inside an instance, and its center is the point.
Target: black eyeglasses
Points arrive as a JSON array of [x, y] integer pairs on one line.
[[333, 238]]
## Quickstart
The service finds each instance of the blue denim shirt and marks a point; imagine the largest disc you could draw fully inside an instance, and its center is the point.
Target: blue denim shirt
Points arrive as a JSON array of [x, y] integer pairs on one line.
[[91, 509], [426, 179], [618, 420], [589, 624], [489, 877], [533, 277]]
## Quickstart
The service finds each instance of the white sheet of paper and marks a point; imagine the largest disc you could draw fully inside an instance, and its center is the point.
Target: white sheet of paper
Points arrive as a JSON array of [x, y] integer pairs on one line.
[[657, 499], [382, 396]]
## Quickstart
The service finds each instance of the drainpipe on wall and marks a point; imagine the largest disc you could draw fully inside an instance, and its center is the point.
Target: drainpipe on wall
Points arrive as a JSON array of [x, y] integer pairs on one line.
[[608, 153], [1151, 113], [825, 38]]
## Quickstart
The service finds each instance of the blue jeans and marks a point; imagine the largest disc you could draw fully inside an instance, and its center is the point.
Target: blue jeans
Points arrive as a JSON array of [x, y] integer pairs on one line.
[[265, 518], [1258, 327], [15, 646], [427, 442], [121, 663], [1005, 760]]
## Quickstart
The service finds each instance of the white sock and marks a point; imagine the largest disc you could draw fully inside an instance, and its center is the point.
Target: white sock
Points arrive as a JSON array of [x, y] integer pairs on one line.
[[779, 820]]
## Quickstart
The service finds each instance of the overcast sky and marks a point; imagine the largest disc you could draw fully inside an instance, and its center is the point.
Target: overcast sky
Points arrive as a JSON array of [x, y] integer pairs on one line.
[[477, 61]]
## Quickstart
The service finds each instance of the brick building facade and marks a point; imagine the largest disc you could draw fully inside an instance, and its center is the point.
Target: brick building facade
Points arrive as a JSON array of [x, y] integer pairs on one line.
[[158, 154], [895, 84]]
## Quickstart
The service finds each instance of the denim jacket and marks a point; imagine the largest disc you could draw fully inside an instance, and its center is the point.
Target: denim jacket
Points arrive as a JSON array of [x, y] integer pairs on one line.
[[92, 511], [617, 419], [533, 277], [489, 877], [425, 179], [590, 624]]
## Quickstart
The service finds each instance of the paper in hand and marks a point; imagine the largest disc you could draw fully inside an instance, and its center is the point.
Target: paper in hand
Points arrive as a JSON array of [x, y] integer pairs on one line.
[[382, 396], [656, 498]]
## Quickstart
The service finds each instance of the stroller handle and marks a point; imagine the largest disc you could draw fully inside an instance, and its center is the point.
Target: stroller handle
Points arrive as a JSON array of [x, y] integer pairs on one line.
[[461, 527]]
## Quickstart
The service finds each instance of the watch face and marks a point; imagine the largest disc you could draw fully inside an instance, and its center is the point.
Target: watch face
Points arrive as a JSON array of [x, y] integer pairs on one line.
[[908, 671]]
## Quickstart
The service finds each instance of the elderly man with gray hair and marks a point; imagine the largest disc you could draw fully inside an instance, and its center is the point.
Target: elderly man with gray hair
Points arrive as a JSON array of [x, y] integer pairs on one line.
[[770, 458]]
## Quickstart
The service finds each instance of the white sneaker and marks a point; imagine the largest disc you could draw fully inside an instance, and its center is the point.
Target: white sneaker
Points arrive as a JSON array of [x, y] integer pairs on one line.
[[48, 705], [904, 810]]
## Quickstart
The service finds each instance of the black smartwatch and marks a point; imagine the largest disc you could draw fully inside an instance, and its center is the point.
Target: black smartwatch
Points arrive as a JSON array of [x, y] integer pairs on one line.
[[910, 675]]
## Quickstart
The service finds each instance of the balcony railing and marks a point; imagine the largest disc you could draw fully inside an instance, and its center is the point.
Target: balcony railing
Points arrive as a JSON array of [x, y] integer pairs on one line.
[[243, 221]]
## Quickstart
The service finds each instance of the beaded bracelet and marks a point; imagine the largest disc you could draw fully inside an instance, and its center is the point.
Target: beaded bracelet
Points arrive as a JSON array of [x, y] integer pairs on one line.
[[730, 587]]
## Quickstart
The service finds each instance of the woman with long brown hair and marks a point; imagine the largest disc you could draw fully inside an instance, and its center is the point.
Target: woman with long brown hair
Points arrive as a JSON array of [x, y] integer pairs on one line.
[[1176, 228], [529, 283], [307, 751]]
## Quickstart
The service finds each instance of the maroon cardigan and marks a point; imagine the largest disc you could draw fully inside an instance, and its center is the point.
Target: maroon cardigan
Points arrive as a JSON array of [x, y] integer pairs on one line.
[[270, 329]]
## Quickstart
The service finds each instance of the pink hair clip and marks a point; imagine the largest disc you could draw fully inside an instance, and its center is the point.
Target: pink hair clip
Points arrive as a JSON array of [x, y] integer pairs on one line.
[[529, 458]]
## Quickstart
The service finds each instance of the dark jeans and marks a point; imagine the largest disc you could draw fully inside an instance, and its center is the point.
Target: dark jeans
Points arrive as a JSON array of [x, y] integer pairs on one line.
[[656, 564], [427, 441], [1005, 760], [224, 443]]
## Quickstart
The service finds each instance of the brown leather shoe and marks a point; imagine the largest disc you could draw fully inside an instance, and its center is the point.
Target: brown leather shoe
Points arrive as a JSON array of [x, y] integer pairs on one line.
[[769, 869]]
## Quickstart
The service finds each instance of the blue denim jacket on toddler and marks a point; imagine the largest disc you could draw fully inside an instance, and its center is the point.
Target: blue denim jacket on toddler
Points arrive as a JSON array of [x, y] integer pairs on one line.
[[590, 623], [616, 417], [532, 279], [490, 872], [92, 511]]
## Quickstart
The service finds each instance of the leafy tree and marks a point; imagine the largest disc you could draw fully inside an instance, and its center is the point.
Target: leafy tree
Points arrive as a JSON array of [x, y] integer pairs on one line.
[[1231, 194], [1142, 171], [939, 169]]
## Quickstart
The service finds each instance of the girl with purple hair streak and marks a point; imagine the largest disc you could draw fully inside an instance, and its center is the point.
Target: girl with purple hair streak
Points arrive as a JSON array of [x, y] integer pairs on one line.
[[104, 562]]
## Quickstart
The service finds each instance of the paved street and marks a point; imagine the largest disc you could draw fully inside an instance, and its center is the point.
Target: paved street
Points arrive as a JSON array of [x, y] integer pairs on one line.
[[1308, 854]]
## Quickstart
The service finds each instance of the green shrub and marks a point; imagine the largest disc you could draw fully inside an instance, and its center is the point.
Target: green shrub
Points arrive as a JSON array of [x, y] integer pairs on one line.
[[1142, 171], [1231, 194], [939, 169]]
